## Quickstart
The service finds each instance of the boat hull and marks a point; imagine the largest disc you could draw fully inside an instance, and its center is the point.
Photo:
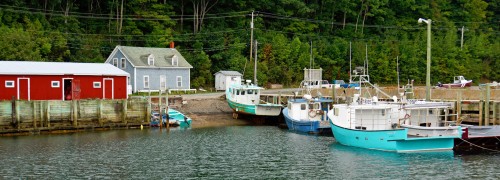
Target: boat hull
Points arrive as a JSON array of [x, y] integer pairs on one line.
[[389, 140], [304, 126], [457, 85], [258, 110]]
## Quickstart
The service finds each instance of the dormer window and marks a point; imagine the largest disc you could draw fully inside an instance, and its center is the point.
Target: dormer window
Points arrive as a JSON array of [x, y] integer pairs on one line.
[[175, 61], [151, 60]]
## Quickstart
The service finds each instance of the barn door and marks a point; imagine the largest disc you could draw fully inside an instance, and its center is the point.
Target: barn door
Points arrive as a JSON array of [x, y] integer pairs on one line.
[[108, 88], [23, 89], [76, 89]]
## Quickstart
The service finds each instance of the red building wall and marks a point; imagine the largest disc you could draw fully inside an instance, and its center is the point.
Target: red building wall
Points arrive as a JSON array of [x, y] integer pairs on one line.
[[41, 87]]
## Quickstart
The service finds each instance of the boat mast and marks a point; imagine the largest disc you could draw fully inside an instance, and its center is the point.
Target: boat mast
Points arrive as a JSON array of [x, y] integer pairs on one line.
[[255, 66]]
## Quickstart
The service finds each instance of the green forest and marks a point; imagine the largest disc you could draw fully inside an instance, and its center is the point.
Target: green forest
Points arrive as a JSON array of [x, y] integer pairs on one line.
[[215, 35]]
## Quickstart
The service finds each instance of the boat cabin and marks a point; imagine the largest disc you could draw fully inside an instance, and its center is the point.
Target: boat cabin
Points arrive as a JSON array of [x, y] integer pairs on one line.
[[366, 117], [246, 94], [308, 109], [459, 79]]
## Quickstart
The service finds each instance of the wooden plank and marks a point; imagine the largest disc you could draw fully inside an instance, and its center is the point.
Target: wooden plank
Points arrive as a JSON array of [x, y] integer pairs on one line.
[[124, 111]]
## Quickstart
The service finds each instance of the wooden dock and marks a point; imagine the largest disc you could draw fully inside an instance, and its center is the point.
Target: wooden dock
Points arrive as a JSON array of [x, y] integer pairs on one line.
[[33, 117]]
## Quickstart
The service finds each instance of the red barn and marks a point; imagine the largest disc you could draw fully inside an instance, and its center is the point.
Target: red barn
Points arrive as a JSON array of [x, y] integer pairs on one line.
[[27, 80]]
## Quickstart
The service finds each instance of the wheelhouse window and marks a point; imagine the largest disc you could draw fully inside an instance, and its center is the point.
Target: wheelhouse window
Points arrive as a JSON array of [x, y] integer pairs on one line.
[[179, 81], [97, 84], [146, 81], [302, 107], [55, 84], [123, 63], [9, 84], [115, 62], [314, 106]]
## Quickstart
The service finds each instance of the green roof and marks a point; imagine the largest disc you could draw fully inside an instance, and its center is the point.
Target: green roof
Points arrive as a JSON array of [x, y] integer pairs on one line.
[[138, 56]]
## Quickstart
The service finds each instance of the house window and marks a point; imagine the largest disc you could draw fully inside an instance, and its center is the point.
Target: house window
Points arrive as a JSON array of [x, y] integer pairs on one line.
[[97, 84], [163, 82], [146, 81], [175, 61], [55, 84], [151, 60], [123, 63], [115, 62], [179, 81], [9, 84]]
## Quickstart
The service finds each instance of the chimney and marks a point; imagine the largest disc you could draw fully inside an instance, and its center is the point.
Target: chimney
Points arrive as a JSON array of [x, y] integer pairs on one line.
[[172, 44]]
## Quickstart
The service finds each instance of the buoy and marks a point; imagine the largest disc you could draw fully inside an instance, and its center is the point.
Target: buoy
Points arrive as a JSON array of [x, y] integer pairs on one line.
[[141, 127]]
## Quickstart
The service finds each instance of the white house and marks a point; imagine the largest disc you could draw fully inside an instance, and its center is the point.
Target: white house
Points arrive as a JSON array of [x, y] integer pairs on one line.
[[223, 79]]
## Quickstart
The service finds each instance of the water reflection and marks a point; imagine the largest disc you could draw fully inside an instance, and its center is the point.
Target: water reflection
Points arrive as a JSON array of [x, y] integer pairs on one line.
[[222, 153]]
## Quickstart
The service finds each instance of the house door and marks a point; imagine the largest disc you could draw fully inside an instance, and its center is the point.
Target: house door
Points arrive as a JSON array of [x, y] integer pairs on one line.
[[108, 88], [76, 89], [23, 88]]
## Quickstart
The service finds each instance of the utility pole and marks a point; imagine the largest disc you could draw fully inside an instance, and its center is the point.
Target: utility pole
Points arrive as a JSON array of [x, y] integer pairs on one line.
[[462, 37], [428, 77], [251, 40], [255, 66]]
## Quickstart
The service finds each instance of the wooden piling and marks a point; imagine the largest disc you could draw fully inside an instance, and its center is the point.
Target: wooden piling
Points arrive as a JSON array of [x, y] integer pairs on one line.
[[494, 115], [74, 114], [279, 97], [47, 113], [481, 112], [99, 112], [34, 114], [18, 116], [124, 111], [487, 106]]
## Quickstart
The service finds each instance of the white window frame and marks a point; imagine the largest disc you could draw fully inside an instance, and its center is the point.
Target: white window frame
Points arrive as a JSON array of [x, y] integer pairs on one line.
[[55, 86], [144, 81], [175, 61], [115, 62], [163, 85], [151, 60], [13, 85], [123, 63], [178, 80], [96, 83]]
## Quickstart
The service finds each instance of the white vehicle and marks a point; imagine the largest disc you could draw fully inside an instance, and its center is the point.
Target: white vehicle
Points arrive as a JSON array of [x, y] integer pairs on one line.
[[316, 84]]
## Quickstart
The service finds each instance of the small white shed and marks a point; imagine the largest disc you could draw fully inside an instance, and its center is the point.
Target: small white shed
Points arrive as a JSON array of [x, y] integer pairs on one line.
[[223, 79]]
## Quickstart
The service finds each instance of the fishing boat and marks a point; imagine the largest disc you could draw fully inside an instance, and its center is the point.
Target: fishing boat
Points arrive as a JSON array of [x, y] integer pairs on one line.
[[307, 114], [175, 118], [458, 82], [370, 124], [245, 99]]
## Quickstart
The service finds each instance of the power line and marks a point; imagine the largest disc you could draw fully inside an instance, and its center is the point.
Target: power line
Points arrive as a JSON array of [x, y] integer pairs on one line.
[[108, 15], [166, 18]]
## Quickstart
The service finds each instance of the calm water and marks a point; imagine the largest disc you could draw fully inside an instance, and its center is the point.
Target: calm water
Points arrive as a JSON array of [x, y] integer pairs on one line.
[[251, 152]]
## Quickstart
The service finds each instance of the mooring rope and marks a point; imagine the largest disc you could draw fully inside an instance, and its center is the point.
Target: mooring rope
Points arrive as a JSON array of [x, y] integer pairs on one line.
[[479, 146]]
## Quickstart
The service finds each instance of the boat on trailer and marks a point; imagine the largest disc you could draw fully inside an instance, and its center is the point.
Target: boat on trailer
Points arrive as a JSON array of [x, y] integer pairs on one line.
[[307, 114], [458, 82], [245, 99]]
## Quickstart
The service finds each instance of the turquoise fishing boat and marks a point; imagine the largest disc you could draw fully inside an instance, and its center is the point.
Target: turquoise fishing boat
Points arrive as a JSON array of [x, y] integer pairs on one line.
[[245, 99], [388, 126]]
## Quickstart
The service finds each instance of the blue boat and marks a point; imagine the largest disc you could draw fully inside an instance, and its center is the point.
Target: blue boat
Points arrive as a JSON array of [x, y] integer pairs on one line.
[[307, 115], [245, 99], [176, 118], [388, 127]]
